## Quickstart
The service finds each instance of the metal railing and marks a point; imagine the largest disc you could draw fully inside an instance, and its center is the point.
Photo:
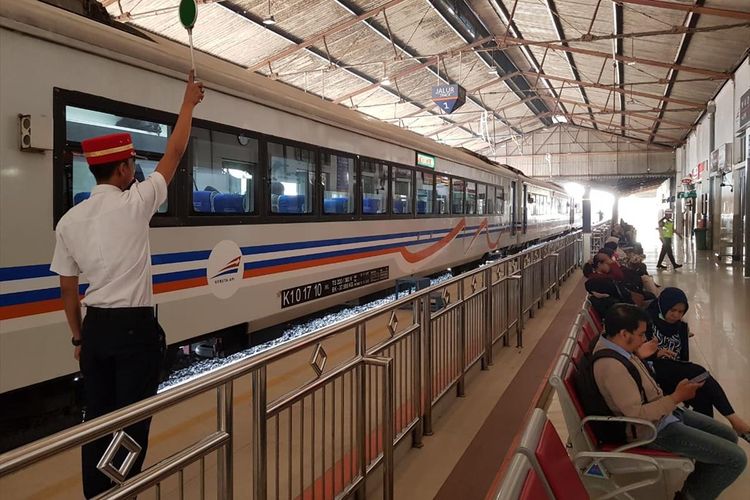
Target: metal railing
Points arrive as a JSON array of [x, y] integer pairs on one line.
[[599, 234], [372, 381]]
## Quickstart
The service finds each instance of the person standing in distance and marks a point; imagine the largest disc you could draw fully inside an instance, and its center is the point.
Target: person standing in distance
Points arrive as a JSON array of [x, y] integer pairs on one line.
[[105, 238], [666, 233]]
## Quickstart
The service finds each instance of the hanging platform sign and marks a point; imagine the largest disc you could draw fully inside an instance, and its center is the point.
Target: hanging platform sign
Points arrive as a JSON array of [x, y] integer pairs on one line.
[[425, 160], [449, 97], [687, 194]]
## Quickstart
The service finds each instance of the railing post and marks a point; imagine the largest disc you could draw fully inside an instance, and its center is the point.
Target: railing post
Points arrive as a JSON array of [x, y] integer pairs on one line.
[[489, 315], [423, 313], [388, 431], [361, 411], [225, 464], [543, 285], [461, 385], [427, 383], [260, 446], [530, 288], [506, 327]]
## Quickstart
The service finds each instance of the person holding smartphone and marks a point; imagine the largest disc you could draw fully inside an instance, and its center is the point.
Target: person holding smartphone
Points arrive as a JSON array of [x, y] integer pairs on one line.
[[671, 362], [719, 461]]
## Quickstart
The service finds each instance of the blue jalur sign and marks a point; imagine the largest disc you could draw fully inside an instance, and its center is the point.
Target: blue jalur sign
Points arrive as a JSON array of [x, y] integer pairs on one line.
[[449, 97]]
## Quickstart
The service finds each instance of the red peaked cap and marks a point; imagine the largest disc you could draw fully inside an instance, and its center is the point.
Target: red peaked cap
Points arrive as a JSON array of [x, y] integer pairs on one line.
[[108, 148]]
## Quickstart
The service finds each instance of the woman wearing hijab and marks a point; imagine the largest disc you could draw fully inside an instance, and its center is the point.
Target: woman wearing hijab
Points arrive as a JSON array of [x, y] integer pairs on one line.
[[671, 363]]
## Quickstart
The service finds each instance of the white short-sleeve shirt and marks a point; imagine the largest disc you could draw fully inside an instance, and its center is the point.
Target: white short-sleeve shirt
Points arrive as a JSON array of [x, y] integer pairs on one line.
[[106, 238]]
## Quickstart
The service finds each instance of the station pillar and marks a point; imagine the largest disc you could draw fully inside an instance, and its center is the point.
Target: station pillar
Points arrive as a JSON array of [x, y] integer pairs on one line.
[[616, 209], [747, 203], [586, 205]]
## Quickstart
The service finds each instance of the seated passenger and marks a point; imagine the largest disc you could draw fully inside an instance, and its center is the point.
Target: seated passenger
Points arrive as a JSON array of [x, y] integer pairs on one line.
[[671, 363], [613, 268], [612, 244], [719, 460], [604, 291], [277, 189], [635, 270]]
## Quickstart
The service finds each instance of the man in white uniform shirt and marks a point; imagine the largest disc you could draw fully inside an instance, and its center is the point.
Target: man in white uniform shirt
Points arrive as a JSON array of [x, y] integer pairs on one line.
[[105, 238]]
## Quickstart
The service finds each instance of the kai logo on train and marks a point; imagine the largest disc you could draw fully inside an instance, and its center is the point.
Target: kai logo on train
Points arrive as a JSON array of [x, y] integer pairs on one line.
[[224, 271]]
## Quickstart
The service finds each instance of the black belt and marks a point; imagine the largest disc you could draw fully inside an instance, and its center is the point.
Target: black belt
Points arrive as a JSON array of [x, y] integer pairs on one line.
[[120, 312]]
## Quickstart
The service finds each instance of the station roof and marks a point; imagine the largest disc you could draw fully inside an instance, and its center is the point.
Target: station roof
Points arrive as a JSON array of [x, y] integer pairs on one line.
[[643, 70]]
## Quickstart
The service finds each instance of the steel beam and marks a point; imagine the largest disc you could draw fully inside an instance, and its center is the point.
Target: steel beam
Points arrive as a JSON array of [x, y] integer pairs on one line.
[[616, 54], [619, 90], [638, 114], [249, 16], [714, 75], [555, 18], [691, 9], [401, 46], [502, 12], [336, 28], [691, 19]]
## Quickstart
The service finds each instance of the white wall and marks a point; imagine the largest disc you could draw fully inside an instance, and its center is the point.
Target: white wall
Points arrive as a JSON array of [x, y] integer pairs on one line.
[[698, 148]]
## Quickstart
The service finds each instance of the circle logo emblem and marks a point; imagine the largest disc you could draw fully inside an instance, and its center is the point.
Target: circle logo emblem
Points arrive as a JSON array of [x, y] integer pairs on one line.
[[224, 271]]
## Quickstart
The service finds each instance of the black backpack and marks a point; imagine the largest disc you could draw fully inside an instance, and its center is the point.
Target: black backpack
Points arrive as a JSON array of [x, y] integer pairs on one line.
[[593, 402]]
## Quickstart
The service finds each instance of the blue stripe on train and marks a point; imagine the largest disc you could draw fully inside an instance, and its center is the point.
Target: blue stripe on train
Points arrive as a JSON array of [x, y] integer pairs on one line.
[[42, 270]]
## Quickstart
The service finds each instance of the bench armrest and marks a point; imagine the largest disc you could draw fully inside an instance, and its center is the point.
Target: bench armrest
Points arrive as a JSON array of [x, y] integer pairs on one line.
[[639, 421]]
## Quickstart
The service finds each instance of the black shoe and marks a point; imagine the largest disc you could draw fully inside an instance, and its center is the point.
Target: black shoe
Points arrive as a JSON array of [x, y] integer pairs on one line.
[[659, 266], [677, 266]]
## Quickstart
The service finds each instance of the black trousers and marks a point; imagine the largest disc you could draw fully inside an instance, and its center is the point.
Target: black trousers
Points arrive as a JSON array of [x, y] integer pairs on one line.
[[669, 373], [666, 250], [120, 359]]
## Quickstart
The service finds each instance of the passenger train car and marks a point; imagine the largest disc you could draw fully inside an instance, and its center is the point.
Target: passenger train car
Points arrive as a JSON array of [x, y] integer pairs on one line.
[[284, 204]]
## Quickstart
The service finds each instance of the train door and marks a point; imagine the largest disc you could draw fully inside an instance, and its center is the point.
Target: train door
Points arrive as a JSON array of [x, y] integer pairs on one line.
[[525, 200], [513, 208]]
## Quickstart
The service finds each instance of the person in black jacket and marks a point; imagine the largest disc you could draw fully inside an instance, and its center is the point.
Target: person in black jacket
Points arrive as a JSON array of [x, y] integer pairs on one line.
[[671, 362]]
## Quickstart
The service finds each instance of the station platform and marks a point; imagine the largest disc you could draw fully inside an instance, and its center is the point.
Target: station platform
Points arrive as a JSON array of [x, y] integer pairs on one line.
[[476, 438], [473, 437]]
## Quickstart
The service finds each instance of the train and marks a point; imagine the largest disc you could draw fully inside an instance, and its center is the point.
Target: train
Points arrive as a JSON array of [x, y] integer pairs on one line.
[[285, 204]]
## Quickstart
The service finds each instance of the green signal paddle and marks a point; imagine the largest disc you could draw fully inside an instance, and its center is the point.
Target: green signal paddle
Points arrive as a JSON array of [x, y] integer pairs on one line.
[[188, 15]]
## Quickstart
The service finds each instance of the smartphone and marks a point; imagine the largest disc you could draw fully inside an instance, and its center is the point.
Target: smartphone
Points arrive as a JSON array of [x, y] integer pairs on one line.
[[700, 378]]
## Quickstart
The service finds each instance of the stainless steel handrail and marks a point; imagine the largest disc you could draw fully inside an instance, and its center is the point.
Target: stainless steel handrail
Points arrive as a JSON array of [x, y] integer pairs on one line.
[[426, 358]]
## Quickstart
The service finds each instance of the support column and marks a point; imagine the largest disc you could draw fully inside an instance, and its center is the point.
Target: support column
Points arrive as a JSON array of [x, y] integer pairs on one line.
[[616, 209], [745, 196], [586, 205]]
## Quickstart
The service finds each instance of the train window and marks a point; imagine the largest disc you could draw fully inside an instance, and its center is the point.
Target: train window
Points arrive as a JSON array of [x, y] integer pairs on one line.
[[338, 184], [481, 199], [374, 187], [401, 189], [500, 200], [149, 139], [292, 179], [425, 185], [224, 172], [442, 193], [471, 197], [457, 196], [490, 207]]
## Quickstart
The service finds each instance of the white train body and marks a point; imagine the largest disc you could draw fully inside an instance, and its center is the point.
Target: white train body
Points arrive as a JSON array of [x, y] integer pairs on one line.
[[213, 271]]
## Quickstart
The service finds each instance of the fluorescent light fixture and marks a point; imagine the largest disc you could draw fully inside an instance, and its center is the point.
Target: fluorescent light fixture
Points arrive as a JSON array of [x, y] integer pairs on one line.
[[559, 119], [269, 21], [386, 81], [237, 173]]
